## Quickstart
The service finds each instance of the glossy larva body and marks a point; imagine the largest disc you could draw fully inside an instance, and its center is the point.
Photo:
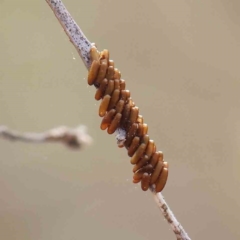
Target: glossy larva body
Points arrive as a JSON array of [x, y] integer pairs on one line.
[[120, 115]]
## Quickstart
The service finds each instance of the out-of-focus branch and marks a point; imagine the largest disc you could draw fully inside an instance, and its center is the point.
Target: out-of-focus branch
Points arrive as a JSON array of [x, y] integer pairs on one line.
[[74, 138], [83, 45]]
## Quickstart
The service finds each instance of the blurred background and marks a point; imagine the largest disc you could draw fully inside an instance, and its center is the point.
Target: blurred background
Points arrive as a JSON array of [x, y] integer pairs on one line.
[[181, 62]]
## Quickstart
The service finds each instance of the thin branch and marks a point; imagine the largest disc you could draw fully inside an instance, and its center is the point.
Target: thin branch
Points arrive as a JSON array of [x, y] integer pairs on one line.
[[73, 31], [83, 45], [169, 216], [74, 138]]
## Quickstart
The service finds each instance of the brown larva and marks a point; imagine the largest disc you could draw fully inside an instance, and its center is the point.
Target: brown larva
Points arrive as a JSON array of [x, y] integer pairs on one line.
[[119, 112]]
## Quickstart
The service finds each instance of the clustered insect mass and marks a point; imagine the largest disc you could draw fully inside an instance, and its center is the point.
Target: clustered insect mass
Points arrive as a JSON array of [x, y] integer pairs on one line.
[[118, 111]]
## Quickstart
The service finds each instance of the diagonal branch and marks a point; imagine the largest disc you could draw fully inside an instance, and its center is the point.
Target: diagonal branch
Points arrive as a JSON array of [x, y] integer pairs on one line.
[[74, 32], [83, 45], [177, 228], [74, 138]]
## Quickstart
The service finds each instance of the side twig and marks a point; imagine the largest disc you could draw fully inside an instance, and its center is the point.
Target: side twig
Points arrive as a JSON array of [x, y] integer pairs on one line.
[[83, 45], [73, 138]]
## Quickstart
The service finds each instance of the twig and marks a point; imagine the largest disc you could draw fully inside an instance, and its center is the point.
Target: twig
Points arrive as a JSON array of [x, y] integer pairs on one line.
[[169, 216], [74, 138], [83, 46], [75, 34]]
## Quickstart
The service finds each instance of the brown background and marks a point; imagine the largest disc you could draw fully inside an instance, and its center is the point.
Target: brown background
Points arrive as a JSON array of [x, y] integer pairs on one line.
[[180, 60]]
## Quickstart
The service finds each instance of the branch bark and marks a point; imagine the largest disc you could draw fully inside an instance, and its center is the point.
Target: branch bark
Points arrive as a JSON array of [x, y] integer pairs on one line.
[[73, 31]]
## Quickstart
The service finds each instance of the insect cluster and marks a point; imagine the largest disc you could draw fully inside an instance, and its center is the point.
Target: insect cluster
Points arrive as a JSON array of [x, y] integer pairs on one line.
[[120, 112]]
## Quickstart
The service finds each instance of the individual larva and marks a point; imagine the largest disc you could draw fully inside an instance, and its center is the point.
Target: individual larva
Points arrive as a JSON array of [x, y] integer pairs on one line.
[[118, 111]]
